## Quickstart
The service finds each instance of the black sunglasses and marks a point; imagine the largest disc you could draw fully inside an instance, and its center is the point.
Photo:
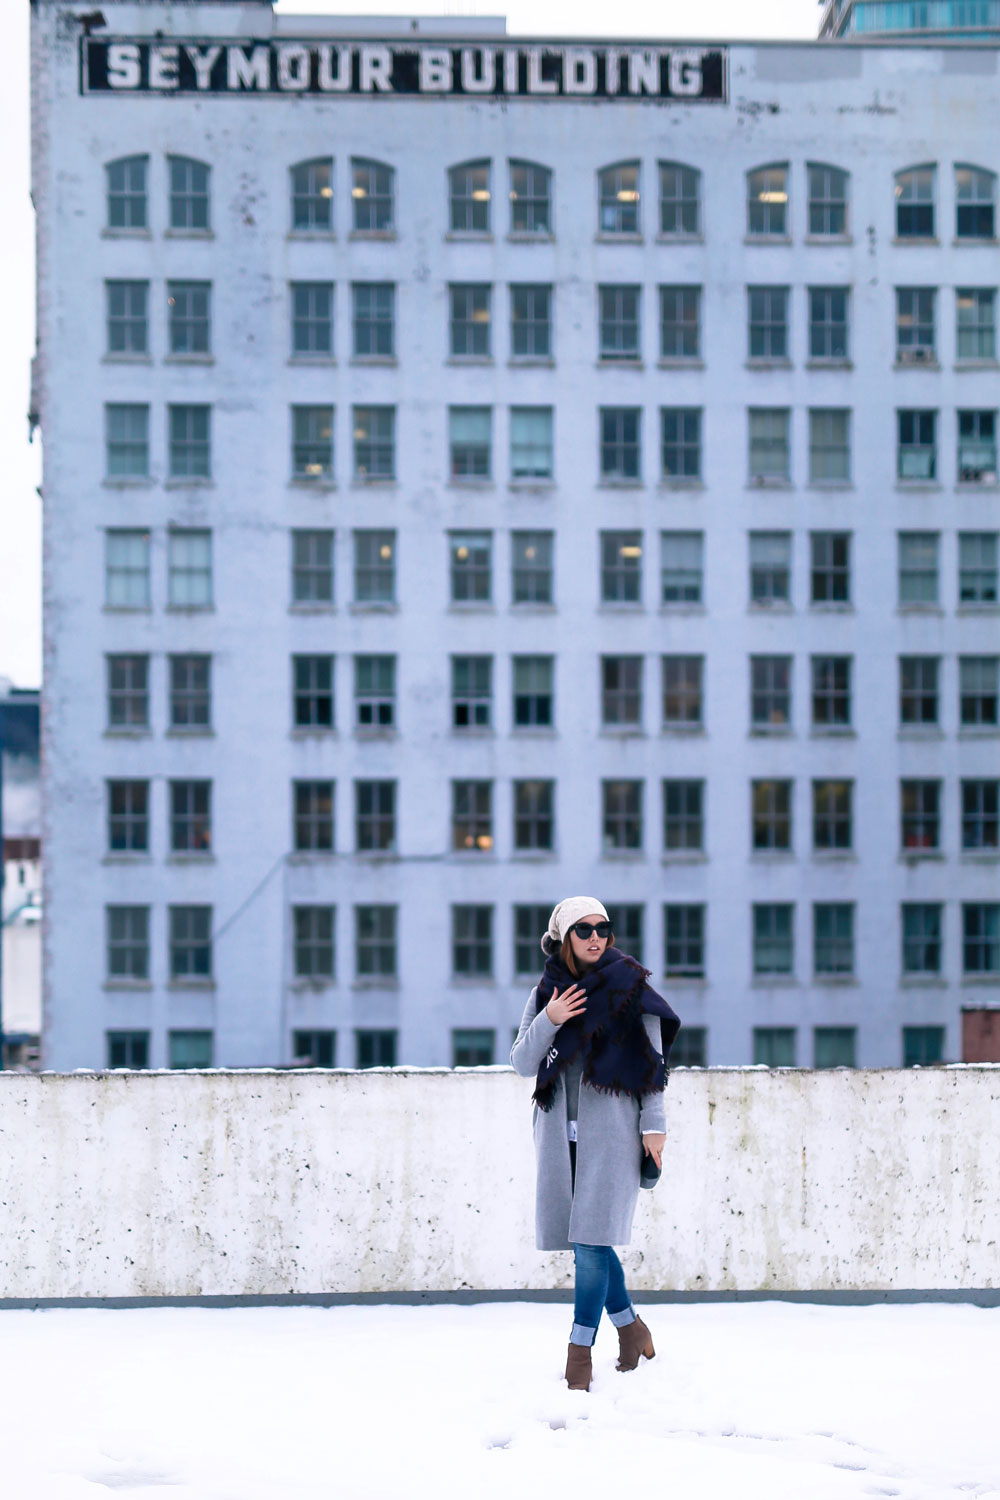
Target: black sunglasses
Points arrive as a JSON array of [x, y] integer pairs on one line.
[[584, 929]]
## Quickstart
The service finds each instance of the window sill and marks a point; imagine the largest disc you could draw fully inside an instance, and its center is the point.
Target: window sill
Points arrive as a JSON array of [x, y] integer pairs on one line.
[[971, 486], [621, 607], [189, 359], [836, 981], [360, 482], [623, 238], [623, 362], [471, 607], [127, 732], [529, 607], [977, 981], [374, 733], [977, 364], [681, 484], [386, 235], [902, 363], [531, 361], [971, 241], [763, 483], [680, 239], [980, 856], [620, 484], [831, 486], [126, 234], [920, 856], [533, 732], [191, 985], [528, 237], [915, 239], [377, 856], [465, 360], [774, 982], [324, 236], [771, 732], [532, 856], [920, 732], [127, 986], [834, 732], [473, 981], [373, 607], [770, 607], [979, 732], [828, 239], [681, 608], [696, 985], [621, 732], [683, 731], [469, 236], [190, 609], [373, 361], [918, 486], [768, 364], [189, 234], [317, 857], [368, 982], [830, 607], [122, 857], [128, 482], [526, 486], [323, 361], [933, 610], [318, 984], [772, 856], [190, 482], [684, 857], [127, 609], [192, 732], [190, 858], [767, 239], [310, 732], [830, 364], [978, 609], [473, 732], [126, 359], [835, 856], [324, 486], [312, 609], [470, 484], [922, 982], [695, 362], [624, 856]]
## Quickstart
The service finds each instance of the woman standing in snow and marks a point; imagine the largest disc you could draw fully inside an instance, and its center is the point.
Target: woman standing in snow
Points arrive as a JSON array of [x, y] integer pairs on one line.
[[596, 1038]]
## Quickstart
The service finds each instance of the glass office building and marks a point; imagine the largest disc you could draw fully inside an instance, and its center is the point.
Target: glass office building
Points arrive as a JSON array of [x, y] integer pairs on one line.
[[962, 20]]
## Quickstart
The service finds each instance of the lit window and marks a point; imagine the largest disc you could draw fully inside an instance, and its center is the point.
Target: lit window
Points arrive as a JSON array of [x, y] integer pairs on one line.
[[618, 198]]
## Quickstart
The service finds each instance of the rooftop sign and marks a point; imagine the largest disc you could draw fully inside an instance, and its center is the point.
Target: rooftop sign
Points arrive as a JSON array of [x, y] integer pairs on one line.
[[543, 70]]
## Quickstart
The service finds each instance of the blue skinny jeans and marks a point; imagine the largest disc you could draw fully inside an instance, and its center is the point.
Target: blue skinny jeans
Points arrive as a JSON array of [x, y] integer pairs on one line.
[[600, 1284]]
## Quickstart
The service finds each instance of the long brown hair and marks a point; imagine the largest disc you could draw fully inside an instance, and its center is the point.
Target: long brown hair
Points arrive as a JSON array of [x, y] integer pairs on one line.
[[566, 951]]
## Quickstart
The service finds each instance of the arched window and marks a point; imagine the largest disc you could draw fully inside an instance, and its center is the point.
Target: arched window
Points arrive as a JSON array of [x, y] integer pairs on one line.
[[680, 200], [827, 199], [373, 186], [189, 193], [312, 195], [530, 198], [915, 203], [618, 198], [767, 201], [127, 192], [975, 203], [469, 198]]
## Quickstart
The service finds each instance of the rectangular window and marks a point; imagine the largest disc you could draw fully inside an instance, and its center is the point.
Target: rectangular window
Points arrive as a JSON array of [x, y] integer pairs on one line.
[[312, 196], [372, 193], [470, 566], [920, 815], [767, 308], [981, 938], [469, 441], [469, 198], [189, 195], [915, 324], [621, 692], [128, 1049], [681, 567], [916, 445], [918, 567], [773, 938], [375, 1049], [190, 692], [190, 1049], [472, 942], [375, 942], [683, 816], [977, 567], [621, 567], [126, 429], [534, 680], [684, 941], [128, 942], [918, 690], [312, 692], [618, 196], [922, 931], [375, 692], [680, 443], [770, 445], [915, 203], [472, 816], [472, 1049], [374, 567], [828, 322], [471, 692], [313, 816], [128, 692], [534, 815], [622, 816], [975, 195], [827, 201], [312, 318], [774, 1046], [127, 305], [191, 817], [830, 572], [530, 321], [770, 692], [975, 310], [312, 442], [190, 445], [832, 816], [977, 447], [314, 1049], [374, 816], [190, 942], [680, 322], [829, 446], [835, 1047], [374, 429], [923, 1046], [618, 321], [189, 569], [373, 319], [189, 317], [530, 198], [312, 567], [979, 690], [679, 200], [469, 320], [690, 1050], [981, 815], [771, 814], [531, 567], [770, 567], [831, 692], [683, 691], [128, 817], [529, 924], [833, 938], [620, 452], [313, 947], [628, 926], [531, 442], [767, 201], [126, 192]]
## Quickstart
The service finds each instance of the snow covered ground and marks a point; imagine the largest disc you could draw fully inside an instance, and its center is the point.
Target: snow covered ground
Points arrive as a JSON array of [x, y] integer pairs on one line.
[[765, 1401]]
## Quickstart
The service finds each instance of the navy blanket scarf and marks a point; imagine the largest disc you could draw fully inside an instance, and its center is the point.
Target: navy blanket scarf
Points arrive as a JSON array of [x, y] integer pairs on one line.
[[617, 1057]]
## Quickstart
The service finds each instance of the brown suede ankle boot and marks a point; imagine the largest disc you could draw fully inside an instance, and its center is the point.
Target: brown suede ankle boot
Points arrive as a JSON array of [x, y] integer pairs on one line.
[[633, 1340], [579, 1368]]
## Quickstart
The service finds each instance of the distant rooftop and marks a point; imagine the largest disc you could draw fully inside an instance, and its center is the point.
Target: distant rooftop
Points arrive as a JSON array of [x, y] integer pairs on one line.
[[923, 20]]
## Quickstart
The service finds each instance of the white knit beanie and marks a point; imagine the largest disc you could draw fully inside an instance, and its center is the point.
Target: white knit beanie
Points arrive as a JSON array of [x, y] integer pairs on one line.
[[573, 909]]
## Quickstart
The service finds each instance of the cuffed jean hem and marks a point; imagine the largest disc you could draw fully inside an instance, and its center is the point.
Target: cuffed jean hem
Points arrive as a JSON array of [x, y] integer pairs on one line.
[[581, 1334], [623, 1318]]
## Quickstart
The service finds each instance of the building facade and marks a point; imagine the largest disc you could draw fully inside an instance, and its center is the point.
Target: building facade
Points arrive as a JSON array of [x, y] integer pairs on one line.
[[921, 20], [478, 471], [20, 878]]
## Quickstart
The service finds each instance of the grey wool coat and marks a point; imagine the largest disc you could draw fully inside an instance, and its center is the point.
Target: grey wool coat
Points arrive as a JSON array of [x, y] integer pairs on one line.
[[610, 1128]]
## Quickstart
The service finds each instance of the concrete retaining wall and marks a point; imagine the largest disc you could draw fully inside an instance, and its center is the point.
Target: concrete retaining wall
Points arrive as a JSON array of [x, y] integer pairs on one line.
[[171, 1184]]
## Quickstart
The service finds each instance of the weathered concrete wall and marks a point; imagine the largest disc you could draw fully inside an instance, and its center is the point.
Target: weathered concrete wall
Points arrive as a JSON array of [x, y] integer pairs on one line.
[[259, 1182]]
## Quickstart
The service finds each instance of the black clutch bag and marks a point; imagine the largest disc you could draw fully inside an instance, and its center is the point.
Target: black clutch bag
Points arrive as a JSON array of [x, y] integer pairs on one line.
[[649, 1173]]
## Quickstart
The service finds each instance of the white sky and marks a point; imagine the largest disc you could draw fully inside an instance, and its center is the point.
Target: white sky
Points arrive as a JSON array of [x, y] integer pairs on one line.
[[20, 508]]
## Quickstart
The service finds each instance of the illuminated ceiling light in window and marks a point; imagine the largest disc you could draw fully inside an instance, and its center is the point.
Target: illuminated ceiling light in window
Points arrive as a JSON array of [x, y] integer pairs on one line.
[[481, 195], [772, 197], [385, 551], [359, 192], [628, 195], [630, 551], [461, 553], [484, 841]]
